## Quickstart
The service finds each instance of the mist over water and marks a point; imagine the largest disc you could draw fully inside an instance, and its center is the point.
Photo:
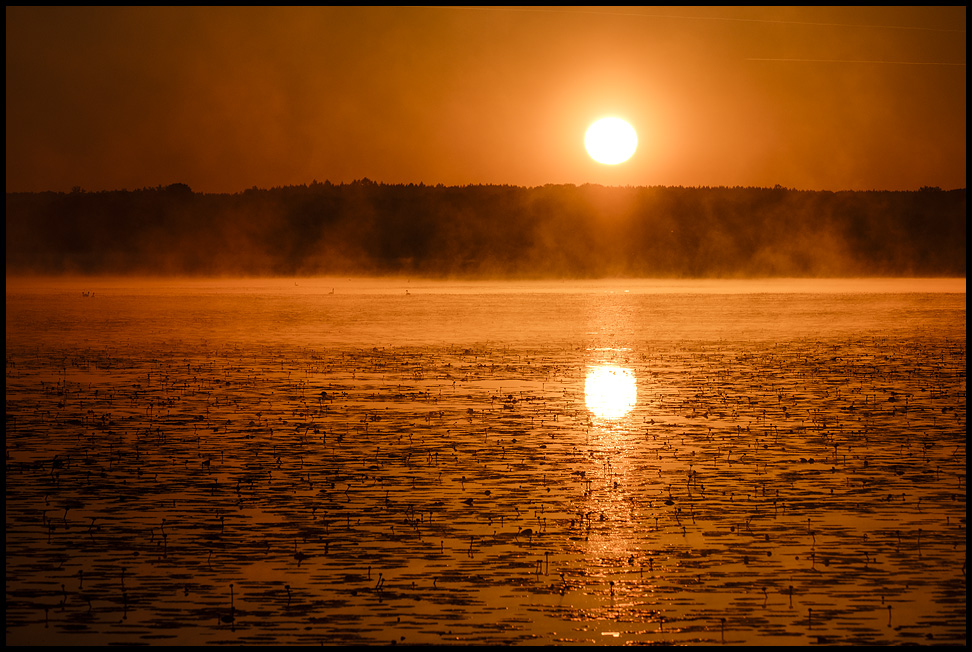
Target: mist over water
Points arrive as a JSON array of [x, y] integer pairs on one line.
[[489, 232], [396, 312]]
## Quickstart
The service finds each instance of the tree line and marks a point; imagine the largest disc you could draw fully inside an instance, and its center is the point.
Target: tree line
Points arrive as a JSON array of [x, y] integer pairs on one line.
[[489, 231]]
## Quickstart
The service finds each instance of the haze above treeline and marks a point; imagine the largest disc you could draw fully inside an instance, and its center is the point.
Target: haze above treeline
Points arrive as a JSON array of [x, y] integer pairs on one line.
[[489, 231]]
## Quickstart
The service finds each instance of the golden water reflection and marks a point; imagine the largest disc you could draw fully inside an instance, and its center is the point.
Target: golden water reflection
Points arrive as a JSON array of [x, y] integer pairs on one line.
[[610, 391]]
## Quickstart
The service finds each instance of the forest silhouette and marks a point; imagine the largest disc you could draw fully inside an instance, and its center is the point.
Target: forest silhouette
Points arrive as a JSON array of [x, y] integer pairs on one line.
[[489, 231]]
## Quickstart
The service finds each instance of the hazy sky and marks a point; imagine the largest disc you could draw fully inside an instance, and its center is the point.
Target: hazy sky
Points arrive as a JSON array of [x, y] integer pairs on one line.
[[228, 98]]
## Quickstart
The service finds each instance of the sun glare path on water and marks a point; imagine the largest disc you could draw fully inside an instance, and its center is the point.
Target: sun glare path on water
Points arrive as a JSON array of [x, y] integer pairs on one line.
[[610, 391]]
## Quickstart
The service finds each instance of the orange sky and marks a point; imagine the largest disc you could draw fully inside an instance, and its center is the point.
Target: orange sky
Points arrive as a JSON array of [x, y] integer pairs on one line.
[[228, 98]]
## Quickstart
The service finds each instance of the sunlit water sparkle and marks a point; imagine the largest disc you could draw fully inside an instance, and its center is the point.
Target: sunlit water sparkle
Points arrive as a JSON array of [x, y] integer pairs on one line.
[[610, 392]]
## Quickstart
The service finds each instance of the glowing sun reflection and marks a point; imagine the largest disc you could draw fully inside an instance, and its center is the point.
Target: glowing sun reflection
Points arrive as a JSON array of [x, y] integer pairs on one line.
[[610, 391]]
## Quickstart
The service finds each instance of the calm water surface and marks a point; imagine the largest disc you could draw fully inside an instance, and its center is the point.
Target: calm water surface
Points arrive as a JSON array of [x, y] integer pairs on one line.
[[372, 461], [360, 312]]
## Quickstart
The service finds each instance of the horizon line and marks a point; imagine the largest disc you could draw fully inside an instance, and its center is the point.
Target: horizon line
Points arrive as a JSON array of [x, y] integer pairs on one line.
[[366, 180]]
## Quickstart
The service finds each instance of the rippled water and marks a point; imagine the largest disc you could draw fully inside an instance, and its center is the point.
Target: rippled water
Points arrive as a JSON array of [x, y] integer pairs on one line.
[[368, 461]]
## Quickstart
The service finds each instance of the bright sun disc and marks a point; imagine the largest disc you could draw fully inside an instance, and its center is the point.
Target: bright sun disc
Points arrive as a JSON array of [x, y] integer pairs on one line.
[[611, 141], [610, 392]]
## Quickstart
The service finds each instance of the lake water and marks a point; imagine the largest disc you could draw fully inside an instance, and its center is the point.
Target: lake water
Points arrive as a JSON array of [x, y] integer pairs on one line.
[[370, 460], [364, 312]]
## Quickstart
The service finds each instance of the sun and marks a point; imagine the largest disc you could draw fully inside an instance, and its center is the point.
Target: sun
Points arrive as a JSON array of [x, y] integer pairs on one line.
[[611, 141]]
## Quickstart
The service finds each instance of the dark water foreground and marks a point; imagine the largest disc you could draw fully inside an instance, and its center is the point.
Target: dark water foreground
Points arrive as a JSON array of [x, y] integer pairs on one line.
[[759, 490]]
